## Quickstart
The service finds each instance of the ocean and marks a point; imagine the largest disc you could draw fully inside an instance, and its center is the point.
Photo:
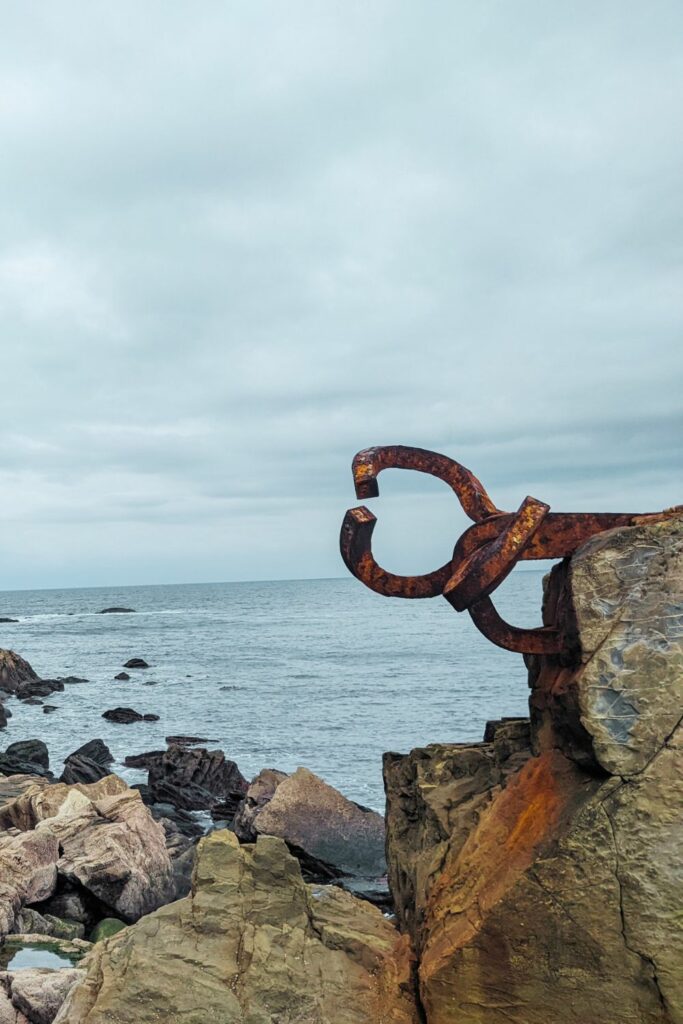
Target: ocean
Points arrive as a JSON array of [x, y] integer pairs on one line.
[[320, 673]]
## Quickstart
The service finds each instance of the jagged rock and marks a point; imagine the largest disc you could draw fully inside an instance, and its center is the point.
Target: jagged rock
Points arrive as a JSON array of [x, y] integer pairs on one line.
[[196, 779], [332, 836], [126, 716], [173, 819], [252, 942], [14, 671], [144, 760], [106, 841], [35, 995], [136, 663], [546, 890]]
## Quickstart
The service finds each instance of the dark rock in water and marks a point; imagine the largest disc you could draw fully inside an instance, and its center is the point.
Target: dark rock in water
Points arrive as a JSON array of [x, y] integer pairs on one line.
[[27, 757], [187, 741], [70, 680], [49, 708], [96, 750], [4, 715], [31, 700], [5, 619], [124, 716], [150, 718], [143, 760], [197, 779], [136, 663], [117, 611], [332, 836], [78, 768], [150, 682], [14, 671], [38, 688], [122, 675], [260, 792]]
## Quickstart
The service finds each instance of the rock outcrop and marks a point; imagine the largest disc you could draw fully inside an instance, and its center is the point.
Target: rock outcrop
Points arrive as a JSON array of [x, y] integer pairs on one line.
[[196, 779], [540, 877], [34, 996], [99, 837], [252, 943]]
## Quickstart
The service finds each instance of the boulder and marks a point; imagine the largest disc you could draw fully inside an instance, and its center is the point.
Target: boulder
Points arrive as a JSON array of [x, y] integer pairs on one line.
[[34, 996], [144, 760], [126, 716], [107, 927], [14, 671], [136, 663], [541, 884], [251, 942], [28, 872], [78, 768], [4, 715], [333, 836], [123, 676], [196, 779], [27, 757], [261, 789], [105, 839], [32, 922]]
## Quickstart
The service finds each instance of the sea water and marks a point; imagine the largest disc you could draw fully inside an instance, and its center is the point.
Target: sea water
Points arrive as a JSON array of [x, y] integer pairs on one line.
[[320, 673]]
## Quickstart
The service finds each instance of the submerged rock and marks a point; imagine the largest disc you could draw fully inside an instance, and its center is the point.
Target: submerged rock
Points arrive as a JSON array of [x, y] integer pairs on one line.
[[257, 944], [117, 611], [136, 663], [123, 676], [126, 716]]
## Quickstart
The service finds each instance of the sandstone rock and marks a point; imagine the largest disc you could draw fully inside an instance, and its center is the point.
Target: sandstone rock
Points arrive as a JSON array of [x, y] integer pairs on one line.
[[196, 779], [251, 943], [333, 836], [544, 888], [28, 872], [37, 995]]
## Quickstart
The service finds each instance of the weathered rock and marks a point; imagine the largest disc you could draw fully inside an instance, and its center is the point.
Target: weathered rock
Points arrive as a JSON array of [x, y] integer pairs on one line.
[[257, 944], [106, 840], [30, 921], [196, 779], [331, 835], [144, 760], [28, 872], [546, 889], [36, 995], [14, 671], [136, 663]]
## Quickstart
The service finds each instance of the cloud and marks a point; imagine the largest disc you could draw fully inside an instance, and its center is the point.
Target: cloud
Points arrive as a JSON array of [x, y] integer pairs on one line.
[[238, 244]]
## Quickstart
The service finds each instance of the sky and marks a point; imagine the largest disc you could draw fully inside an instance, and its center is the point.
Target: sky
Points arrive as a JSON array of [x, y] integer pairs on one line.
[[240, 241]]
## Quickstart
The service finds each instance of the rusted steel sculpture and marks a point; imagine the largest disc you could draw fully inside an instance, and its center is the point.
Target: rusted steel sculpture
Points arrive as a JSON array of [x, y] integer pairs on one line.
[[485, 554]]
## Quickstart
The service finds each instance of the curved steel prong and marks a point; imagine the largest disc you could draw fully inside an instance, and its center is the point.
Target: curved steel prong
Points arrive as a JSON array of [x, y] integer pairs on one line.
[[470, 492], [355, 545], [478, 575], [544, 640]]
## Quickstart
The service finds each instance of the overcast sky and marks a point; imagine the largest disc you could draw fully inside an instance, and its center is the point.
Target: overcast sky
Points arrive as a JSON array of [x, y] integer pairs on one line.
[[240, 241]]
